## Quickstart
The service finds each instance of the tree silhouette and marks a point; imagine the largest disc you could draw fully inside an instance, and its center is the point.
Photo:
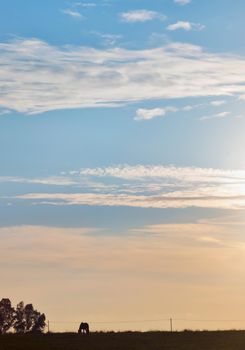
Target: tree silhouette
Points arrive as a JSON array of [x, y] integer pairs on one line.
[[27, 319], [19, 324], [7, 314], [39, 324]]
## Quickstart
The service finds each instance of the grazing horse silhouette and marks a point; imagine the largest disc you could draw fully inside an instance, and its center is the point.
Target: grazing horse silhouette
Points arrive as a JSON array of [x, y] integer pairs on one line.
[[84, 328]]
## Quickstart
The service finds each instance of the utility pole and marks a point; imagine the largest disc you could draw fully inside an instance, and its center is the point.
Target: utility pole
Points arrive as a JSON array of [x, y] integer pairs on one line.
[[171, 325]]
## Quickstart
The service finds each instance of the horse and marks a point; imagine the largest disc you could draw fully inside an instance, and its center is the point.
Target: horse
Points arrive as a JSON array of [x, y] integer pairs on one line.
[[84, 328]]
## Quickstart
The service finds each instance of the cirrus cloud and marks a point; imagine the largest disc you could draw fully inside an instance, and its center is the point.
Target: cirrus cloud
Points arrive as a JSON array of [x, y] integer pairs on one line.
[[220, 115], [144, 187], [73, 13], [185, 26], [182, 2], [36, 77], [147, 114], [141, 16]]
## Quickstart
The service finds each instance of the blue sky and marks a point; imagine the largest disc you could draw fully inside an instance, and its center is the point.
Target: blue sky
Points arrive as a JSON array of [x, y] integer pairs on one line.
[[124, 120]]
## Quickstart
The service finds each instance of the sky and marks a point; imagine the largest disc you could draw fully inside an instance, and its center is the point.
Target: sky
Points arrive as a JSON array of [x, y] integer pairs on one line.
[[122, 172]]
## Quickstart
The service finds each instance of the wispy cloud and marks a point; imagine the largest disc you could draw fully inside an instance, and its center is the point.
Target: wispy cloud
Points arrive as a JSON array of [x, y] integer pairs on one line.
[[85, 4], [48, 181], [182, 2], [147, 187], [218, 103], [73, 13], [215, 103], [161, 172], [215, 116], [202, 233], [157, 260], [37, 77], [185, 26], [108, 38], [141, 16], [192, 174], [147, 114], [189, 108], [202, 199]]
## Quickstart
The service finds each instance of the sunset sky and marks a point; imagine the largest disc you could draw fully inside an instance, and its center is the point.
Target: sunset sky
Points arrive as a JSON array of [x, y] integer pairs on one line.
[[122, 169]]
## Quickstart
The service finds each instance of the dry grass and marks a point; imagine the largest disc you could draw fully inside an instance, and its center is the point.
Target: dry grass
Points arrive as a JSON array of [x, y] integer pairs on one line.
[[227, 340]]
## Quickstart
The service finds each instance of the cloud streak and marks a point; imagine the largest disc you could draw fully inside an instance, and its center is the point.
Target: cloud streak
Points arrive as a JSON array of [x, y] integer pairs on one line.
[[220, 115], [185, 26], [73, 13], [192, 174], [143, 187], [144, 264], [218, 103], [141, 16], [179, 199], [147, 114], [48, 181], [182, 2], [37, 77], [107, 38]]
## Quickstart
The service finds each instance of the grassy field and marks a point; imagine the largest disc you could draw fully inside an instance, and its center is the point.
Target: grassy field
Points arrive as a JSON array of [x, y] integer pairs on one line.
[[222, 340]]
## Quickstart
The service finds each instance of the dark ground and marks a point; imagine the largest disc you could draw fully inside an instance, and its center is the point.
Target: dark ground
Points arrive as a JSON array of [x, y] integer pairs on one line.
[[221, 340]]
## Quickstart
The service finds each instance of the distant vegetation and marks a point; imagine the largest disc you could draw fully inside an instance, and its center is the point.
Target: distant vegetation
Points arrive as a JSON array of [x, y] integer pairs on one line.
[[21, 329], [22, 319]]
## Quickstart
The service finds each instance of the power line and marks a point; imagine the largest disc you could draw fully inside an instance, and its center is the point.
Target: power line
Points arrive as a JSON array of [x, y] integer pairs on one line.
[[107, 322], [150, 320], [194, 320]]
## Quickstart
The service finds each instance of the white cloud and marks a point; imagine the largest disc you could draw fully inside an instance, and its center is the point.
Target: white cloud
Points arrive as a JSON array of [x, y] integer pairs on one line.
[[85, 4], [218, 103], [190, 174], [73, 13], [49, 181], [185, 26], [182, 2], [141, 16], [189, 108], [108, 39], [148, 187], [36, 77], [147, 114], [215, 116], [179, 199], [222, 114], [139, 173]]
